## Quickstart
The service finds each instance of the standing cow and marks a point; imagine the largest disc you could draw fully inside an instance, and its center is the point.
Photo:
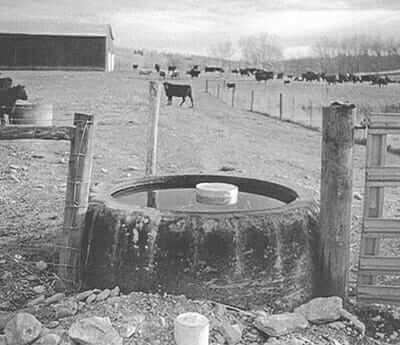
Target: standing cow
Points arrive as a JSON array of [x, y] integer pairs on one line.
[[174, 90]]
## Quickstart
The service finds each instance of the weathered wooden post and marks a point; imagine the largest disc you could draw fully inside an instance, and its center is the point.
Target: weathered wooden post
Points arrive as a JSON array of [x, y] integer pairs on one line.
[[251, 100], [77, 197], [218, 90], [280, 106], [336, 197], [206, 86], [154, 115]]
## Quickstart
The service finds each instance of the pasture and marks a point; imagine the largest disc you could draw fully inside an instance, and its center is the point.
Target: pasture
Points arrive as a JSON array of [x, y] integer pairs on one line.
[[302, 102], [202, 139]]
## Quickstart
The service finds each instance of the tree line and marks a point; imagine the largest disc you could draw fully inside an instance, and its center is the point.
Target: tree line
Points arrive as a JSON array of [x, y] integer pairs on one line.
[[352, 54]]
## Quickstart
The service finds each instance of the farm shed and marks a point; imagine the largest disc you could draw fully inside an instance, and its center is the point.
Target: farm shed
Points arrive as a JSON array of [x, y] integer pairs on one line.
[[53, 46]]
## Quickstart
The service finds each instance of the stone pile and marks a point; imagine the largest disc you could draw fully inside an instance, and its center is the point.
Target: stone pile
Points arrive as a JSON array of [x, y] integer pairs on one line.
[[260, 328]]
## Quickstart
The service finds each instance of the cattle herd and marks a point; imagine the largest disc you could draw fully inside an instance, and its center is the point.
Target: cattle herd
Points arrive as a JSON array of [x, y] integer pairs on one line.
[[9, 95], [259, 74]]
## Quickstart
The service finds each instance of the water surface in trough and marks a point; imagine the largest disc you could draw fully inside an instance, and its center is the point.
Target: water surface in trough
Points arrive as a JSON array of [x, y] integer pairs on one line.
[[184, 199]]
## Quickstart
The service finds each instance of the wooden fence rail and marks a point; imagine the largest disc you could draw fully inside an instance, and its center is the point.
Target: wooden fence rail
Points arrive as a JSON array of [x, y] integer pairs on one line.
[[78, 181], [375, 226]]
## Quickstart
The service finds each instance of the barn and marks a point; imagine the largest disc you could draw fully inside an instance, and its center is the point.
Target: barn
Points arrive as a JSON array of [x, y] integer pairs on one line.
[[56, 46]]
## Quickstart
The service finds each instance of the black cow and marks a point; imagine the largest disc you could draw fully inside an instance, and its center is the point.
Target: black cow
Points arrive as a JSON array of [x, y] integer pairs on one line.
[[235, 71], [263, 75], [379, 81], [193, 73], [9, 96], [174, 90], [135, 66], [163, 74], [231, 85], [171, 68], [5, 83], [310, 76], [331, 79], [157, 67], [213, 69], [367, 78], [279, 76]]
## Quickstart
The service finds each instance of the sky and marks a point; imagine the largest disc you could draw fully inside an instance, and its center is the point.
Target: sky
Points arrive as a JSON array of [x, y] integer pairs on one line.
[[192, 26]]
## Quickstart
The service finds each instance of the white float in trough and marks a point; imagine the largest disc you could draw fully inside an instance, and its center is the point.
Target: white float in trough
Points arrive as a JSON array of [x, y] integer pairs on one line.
[[217, 193]]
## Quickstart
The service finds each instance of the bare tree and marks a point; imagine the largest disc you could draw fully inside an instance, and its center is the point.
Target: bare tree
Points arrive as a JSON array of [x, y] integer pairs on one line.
[[260, 50], [222, 50]]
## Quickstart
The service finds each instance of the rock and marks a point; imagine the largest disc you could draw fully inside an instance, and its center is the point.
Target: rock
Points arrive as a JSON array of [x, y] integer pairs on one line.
[[53, 324], [4, 318], [66, 308], [94, 331], [322, 309], [337, 325], [280, 324], [48, 339], [37, 300], [55, 298], [41, 265], [39, 289], [357, 196], [22, 329], [91, 298], [104, 170], [83, 295], [115, 292], [354, 320], [103, 295], [232, 333]]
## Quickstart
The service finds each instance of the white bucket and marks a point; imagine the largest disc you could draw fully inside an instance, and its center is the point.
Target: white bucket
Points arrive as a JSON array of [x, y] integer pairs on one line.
[[191, 329]]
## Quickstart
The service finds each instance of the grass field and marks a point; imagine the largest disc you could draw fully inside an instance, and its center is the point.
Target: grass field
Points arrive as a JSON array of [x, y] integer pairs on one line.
[[191, 140]]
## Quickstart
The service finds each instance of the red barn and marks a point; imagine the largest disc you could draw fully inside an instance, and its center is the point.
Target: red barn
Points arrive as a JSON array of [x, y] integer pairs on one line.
[[56, 46]]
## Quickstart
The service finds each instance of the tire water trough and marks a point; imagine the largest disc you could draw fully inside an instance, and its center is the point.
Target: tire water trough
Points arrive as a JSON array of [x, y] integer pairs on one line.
[[158, 234]]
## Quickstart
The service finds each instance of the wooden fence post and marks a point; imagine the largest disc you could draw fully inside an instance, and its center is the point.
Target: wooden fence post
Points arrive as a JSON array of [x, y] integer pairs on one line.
[[233, 96], [280, 106], [218, 90], [77, 198], [251, 100], [154, 114], [336, 197], [206, 86]]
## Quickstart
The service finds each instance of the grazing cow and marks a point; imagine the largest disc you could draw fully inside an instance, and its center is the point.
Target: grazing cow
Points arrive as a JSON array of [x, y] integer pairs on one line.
[[5, 83], [163, 74], [279, 76], [194, 73], [171, 68], [331, 79], [135, 66], [9, 96], [379, 81], [231, 85], [244, 71], [263, 75], [286, 81], [310, 76], [235, 71], [157, 67], [174, 90], [367, 78], [213, 69]]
